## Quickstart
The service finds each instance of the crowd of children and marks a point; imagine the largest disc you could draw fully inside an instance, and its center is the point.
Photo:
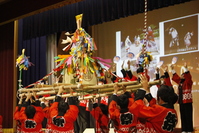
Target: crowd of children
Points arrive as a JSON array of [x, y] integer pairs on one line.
[[129, 112]]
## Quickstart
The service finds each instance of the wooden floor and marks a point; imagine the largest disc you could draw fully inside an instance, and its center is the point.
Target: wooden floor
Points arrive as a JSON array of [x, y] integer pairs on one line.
[[177, 130], [91, 130]]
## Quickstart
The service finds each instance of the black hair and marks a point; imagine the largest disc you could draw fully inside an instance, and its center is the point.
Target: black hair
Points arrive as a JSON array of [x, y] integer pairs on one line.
[[167, 94], [162, 77], [140, 69], [30, 111], [62, 107], [123, 101], [104, 109]]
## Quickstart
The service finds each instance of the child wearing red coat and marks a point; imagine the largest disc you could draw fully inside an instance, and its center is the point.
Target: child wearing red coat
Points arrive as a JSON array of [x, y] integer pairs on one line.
[[155, 118], [100, 113], [124, 121], [165, 79], [31, 116], [17, 115], [46, 108], [62, 114], [127, 74]]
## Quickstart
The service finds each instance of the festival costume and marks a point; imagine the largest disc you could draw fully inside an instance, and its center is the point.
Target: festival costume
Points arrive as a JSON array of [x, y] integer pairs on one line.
[[146, 74], [46, 111], [114, 78], [33, 125], [166, 77], [185, 100], [102, 120], [128, 76], [153, 118], [123, 120], [17, 117], [65, 123]]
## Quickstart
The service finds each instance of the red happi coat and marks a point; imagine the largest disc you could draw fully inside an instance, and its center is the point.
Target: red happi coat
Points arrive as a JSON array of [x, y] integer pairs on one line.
[[186, 86], [46, 111], [154, 118], [17, 117], [69, 117], [120, 125], [37, 120], [128, 76], [167, 79], [104, 100], [102, 120]]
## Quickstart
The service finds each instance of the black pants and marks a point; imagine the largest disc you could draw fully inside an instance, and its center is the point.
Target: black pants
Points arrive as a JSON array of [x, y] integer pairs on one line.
[[186, 114]]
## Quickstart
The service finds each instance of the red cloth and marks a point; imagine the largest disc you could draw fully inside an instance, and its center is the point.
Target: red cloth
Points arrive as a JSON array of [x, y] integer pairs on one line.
[[134, 78], [186, 86], [102, 120], [37, 120], [167, 82], [131, 100], [85, 103], [17, 118], [104, 100], [154, 118], [128, 74], [1, 122], [69, 118], [147, 76], [117, 79], [46, 111], [119, 123]]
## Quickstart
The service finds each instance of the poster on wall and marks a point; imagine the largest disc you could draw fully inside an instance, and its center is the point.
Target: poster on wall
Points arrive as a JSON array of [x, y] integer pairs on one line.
[[133, 43], [130, 45], [180, 34]]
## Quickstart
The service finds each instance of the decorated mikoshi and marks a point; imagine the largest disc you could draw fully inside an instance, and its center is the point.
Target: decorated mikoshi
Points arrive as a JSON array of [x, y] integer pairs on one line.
[[78, 65]]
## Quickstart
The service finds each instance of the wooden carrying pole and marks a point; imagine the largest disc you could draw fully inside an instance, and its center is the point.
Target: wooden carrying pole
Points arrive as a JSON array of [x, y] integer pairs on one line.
[[81, 98], [83, 87], [105, 92]]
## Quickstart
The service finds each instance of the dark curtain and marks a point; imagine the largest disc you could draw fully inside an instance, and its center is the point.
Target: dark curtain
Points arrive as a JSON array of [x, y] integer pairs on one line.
[[7, 73], [94, 12], [35, 49]]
